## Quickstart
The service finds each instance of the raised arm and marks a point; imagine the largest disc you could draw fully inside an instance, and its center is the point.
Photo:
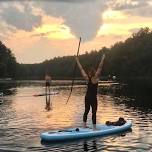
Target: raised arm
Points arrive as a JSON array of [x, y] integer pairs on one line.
[[97, 74], [83, 73]]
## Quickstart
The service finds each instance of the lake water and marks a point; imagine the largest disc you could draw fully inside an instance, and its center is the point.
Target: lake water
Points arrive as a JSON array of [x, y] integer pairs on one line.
[[23, 117]]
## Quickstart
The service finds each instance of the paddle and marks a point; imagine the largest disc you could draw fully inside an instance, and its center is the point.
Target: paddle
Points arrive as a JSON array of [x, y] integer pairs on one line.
[[74, 71], [35, 95]]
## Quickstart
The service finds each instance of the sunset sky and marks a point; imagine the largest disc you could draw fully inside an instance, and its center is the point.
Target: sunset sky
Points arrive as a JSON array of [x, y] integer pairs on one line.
[[36, 30]]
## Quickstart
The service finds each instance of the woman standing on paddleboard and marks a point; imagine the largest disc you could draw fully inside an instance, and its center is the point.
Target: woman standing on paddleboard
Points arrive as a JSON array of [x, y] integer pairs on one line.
[[92, 78]]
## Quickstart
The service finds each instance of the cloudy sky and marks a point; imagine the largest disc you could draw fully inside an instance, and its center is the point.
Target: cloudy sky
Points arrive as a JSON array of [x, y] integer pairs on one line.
[[37, 30]]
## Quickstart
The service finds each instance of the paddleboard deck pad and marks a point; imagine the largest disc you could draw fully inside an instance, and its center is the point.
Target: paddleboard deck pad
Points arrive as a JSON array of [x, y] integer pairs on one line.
[[80, 133]]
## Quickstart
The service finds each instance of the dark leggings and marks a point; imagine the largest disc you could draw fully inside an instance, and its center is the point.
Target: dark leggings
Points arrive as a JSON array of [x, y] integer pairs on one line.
[[93, 103]]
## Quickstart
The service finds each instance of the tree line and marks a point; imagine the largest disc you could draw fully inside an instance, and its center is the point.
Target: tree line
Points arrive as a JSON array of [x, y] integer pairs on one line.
[[131, 58], [8, 64]]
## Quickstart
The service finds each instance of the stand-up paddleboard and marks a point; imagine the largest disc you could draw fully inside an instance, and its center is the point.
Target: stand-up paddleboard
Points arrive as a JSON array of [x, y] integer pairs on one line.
[[44, 94], [35, 95], [79, 133]]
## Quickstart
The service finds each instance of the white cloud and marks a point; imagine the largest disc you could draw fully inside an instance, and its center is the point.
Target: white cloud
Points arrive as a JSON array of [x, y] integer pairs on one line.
[[127, 4], [133, 7], [19, 17], [83, 17]]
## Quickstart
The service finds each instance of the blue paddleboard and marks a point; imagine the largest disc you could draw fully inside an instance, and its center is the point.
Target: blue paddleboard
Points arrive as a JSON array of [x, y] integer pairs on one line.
[[79, 133]]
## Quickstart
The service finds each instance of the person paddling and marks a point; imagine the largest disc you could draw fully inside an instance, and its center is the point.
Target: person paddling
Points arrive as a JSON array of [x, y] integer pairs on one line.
[[92, 78], [47, 83]]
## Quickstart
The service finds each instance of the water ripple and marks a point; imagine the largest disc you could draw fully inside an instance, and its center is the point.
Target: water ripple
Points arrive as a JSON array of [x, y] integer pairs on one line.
[[23, 119]]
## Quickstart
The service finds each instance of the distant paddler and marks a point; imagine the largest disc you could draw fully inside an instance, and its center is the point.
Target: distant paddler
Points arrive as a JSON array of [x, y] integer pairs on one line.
[[92, 77], [48, 80]]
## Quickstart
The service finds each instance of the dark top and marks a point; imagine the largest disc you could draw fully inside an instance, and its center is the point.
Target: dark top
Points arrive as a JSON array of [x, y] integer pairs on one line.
[[91, 89]]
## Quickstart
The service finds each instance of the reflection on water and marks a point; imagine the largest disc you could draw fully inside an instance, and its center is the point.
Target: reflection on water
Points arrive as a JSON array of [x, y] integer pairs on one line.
[[1, 101], [48, 106], [22, 119], [87, 146]]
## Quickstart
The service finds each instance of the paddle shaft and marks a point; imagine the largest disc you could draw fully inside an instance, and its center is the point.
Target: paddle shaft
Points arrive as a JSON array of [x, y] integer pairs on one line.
[[74, 71]]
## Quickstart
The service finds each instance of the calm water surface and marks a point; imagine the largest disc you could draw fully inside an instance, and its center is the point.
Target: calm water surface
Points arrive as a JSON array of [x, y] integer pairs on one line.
[[23, 117]]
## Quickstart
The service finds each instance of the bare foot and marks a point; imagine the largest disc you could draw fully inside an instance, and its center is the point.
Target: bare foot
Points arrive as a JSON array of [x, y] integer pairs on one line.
[[85, 125], [95, 128]]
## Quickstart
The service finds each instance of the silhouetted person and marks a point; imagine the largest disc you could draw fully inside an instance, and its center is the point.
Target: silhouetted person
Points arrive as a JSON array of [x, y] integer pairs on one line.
[[92, 78], [47, 84]]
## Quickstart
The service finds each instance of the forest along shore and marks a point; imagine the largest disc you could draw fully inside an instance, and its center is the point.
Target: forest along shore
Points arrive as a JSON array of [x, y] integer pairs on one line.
[[123, 59]]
